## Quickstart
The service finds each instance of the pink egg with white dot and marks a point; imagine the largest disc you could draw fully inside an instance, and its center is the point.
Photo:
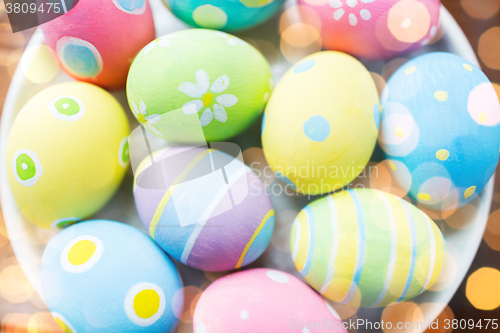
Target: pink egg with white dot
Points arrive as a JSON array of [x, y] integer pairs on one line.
[[263, 300], [376, 29], [97, 40]]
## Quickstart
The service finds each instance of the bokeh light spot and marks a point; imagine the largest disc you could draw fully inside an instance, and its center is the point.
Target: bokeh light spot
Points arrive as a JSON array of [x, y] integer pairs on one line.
[[480, 9], [483, 289], [406, 313], [489, 48], [409, 21]]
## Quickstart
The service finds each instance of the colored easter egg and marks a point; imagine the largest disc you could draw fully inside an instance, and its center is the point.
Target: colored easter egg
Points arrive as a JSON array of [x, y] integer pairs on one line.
[[204, 207], [367, 248], [379, 29], [263, 300], [67, 153], [225, 15], [321, 123], [104, 276], [441, 124], [97, 40], [181, 95]]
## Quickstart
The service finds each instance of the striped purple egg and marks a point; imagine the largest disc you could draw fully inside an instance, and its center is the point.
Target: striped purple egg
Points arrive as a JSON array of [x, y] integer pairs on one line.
[[204, 207]]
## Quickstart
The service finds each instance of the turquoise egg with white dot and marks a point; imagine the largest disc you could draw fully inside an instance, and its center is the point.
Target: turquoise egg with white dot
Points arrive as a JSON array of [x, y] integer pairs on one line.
[[227, 15], [110, 277], [321, 123], [441, 121]]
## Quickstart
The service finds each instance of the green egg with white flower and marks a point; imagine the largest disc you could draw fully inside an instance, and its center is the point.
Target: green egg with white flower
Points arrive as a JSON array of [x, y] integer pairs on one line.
[[198, 85]]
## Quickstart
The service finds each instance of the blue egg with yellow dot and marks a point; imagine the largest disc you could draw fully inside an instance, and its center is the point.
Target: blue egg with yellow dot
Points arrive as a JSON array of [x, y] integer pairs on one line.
[[110, 277], [227, 15], [441, 124]]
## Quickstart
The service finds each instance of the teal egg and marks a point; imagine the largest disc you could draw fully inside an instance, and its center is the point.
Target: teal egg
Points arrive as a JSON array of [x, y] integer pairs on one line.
[[228, 15]]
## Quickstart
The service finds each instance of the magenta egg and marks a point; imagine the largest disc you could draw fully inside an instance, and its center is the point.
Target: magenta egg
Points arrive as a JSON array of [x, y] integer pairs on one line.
[[375, 29]]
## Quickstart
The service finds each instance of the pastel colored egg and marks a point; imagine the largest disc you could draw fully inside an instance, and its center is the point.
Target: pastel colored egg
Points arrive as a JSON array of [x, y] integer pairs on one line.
[[94, 279], [441, 120], [67, 153], [321, 123], [379, 29], [235, 15], [198, 85], [97, 40], [263, 300], [204, 207], [367, 248]]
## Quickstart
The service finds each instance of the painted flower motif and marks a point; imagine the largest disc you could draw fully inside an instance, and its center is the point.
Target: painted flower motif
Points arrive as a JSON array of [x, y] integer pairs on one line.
[[206, 98], [353, 19], [148, 121], [162, 41], [231, 40]]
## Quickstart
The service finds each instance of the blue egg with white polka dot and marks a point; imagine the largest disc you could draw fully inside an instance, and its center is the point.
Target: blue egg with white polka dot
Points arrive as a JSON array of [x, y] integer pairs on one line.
[[227, 15], [441, 124], [321, 123], [104, 276]]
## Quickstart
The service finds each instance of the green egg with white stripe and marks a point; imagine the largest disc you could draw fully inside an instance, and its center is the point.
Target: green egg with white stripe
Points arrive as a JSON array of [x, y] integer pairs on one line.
[[367, 248]]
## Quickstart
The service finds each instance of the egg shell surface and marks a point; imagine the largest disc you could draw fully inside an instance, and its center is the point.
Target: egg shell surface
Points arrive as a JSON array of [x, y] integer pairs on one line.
[[67, 153], [263, 300], [235, 15], [197, 216], [110, 277], [441, 125], [381, 29], [97, 40], [367, 248], [321, 123], [223, 82]]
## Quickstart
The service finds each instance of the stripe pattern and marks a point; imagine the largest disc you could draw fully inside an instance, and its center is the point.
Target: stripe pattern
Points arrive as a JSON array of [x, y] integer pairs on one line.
[[367, 248], [215, 221]]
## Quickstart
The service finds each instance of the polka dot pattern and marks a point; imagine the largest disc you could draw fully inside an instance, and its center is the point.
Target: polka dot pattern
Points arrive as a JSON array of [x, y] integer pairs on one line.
[[442, 154], [443, 123], [81, 254], [371, 29], [145, 297], [26, 167], [210, 17], [376, 115], [317, 128], [441, 95], [260, 300], [285, 180], [135, 7], [304, 66], [79, 57], [277, 276], [483, 105], [234, 15], [144, 303], [67, 108], [124, 153], [400, 134], [63, 323], [64, 222]]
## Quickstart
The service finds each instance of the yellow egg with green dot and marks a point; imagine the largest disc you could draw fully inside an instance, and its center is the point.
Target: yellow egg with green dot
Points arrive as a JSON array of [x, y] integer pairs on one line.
[[67, 153]]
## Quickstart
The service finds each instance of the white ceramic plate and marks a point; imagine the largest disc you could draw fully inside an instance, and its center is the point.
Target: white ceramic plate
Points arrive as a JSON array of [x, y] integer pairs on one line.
[[28, 241]]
